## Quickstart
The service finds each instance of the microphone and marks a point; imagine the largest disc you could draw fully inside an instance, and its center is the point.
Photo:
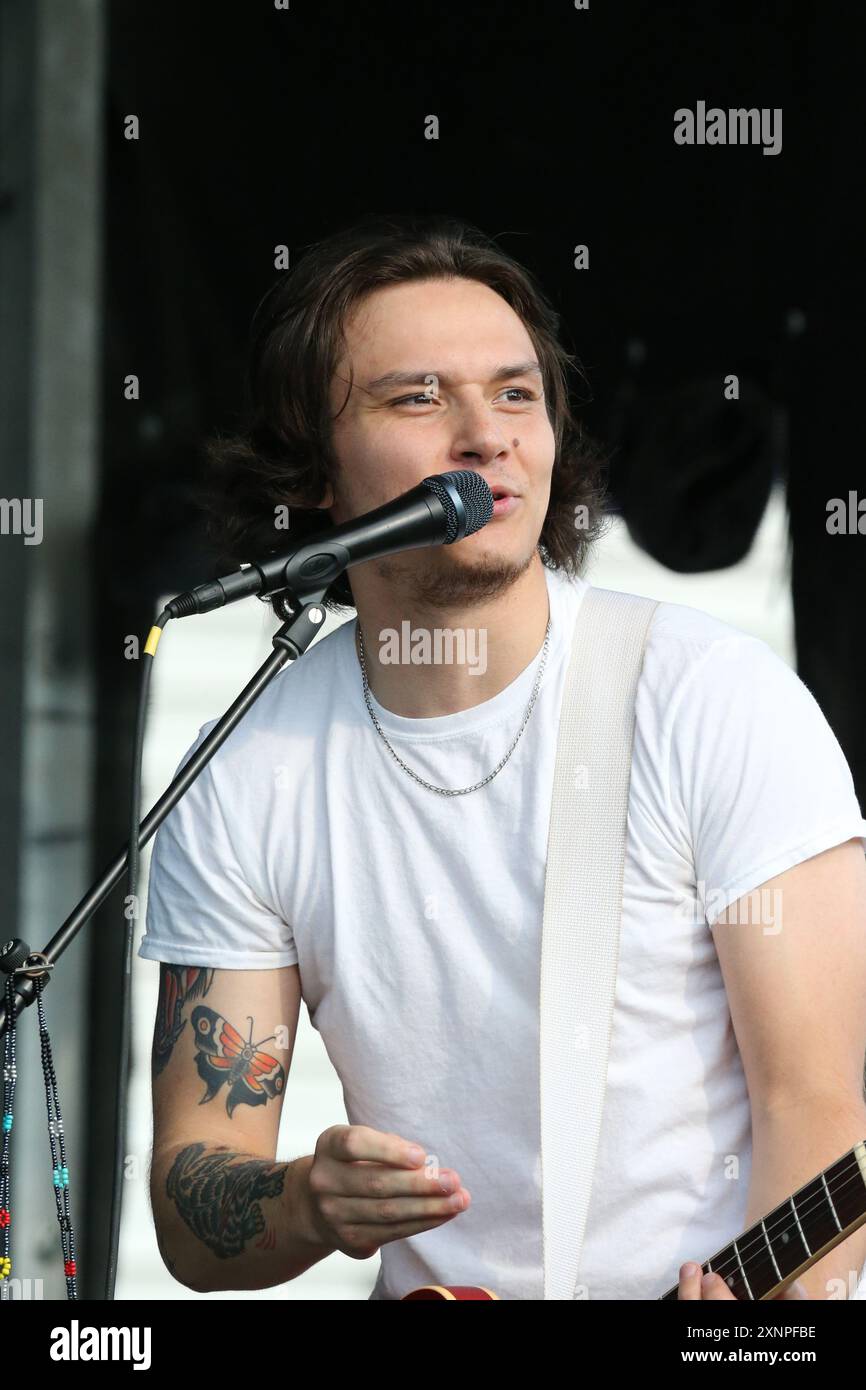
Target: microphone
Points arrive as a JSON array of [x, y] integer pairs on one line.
[[442, 509]]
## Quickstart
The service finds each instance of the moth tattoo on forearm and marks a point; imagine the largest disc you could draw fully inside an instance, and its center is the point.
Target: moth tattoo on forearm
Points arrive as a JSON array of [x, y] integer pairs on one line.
[[219, 1198]]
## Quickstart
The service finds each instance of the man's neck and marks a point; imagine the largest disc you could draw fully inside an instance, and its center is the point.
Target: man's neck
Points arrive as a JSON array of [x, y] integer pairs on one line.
[[470, 654]]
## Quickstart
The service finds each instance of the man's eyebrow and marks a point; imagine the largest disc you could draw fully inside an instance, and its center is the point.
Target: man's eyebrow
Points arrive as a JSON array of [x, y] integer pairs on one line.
[[417, 378]]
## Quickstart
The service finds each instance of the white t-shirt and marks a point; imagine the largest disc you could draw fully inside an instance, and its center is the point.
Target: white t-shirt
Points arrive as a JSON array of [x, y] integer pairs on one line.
[[416, 919]]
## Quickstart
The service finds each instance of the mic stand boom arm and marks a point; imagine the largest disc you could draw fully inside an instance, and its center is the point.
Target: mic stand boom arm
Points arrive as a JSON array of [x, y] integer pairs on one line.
[[290, 640]]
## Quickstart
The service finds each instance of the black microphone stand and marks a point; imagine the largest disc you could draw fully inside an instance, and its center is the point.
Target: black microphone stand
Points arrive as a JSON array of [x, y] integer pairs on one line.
[[455, 504], [459, 502], [290, 640]]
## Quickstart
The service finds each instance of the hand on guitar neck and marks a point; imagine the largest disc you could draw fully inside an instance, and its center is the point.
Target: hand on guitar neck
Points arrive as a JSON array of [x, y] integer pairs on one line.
[[695, 1285]]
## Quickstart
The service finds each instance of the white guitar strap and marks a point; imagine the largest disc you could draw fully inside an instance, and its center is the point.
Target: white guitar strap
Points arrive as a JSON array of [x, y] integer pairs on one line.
[[582, 912]]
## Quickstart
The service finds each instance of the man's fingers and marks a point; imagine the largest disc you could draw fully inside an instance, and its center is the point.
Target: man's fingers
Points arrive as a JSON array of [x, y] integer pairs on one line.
[[351, 1143], [714, 1286], [390, 1212], [378, 1181], [695, 1284], [690, 1281]]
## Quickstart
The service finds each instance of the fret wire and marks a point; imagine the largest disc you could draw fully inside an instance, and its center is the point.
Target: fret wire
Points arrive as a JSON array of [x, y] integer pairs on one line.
[[743, 1272], [830, 1200], [793, 1206], [770, 1248]]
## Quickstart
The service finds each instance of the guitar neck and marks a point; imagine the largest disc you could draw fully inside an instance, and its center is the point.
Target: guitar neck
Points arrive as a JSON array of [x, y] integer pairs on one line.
[[790, 1238]]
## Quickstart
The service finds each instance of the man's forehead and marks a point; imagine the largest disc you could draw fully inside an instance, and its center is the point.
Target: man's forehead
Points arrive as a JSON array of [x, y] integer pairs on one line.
[[391, 330]]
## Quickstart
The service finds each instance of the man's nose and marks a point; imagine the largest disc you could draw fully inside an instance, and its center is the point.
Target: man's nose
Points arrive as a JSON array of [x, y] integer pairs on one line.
[[478, 432]]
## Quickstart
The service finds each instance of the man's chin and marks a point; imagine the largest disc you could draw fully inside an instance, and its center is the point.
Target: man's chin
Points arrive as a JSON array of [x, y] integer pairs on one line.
[[446, 578]]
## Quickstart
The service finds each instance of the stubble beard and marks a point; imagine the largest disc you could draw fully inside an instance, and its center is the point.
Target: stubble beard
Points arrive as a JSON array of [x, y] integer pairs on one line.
[[433, 584]]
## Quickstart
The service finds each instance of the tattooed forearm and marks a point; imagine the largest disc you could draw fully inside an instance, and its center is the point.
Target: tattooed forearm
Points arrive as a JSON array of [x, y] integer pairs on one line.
[[219, 1198], [177, 985]]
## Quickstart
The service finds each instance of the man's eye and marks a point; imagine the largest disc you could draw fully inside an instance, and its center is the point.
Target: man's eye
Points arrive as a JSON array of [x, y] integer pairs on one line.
[[521, 391], [421, 396], [429, 400]]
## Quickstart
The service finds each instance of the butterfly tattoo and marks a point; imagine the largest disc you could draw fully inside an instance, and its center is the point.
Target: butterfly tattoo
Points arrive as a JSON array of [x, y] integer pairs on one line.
[[222, 1056]]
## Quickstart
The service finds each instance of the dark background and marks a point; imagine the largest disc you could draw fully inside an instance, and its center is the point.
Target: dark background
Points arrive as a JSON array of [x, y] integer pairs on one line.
[[262, 127]]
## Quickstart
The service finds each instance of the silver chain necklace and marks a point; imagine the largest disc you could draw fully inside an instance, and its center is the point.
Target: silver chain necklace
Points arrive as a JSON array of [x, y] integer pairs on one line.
[[458, 791]]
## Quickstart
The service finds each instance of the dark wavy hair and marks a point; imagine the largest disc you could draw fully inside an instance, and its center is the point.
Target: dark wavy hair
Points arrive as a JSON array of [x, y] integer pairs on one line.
[[283, 454]]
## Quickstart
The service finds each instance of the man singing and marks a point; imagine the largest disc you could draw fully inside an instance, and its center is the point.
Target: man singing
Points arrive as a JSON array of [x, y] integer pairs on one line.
[[372, 838]]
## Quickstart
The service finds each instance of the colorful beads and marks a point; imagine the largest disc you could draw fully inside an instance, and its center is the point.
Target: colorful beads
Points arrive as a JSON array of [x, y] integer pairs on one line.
[[55, 1134]]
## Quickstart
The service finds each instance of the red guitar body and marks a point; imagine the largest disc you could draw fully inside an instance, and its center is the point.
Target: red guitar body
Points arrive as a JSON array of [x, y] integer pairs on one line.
[[453, 1291]]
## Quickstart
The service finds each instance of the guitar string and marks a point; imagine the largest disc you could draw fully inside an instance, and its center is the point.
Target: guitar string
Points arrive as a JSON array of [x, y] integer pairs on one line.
[[807, 1211]]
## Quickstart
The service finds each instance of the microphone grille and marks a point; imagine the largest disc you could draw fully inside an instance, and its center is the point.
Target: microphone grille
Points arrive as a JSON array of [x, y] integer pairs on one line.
[[473, 492]]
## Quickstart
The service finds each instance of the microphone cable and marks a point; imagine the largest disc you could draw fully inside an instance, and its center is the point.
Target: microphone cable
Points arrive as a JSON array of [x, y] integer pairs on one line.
[[130, 919]]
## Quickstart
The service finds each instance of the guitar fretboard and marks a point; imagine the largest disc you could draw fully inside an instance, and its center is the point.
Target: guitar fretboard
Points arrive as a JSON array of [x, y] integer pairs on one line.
[[796, 1233]]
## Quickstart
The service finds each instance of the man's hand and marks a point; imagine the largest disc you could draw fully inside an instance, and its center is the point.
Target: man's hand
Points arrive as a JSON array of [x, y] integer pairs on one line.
[[695, 1285], [365, 1188]]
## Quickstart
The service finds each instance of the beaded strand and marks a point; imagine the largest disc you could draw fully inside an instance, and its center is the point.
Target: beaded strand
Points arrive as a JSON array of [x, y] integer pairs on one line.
[[10, 1073], [55, 1133], [56, 1139]]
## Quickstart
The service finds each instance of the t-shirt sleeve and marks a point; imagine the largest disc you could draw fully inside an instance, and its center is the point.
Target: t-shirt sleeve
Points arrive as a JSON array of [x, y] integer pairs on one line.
[[758, 780], [203, 907]]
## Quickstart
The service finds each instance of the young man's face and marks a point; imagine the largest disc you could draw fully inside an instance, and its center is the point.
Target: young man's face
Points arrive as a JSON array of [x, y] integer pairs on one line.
[[389, 437]]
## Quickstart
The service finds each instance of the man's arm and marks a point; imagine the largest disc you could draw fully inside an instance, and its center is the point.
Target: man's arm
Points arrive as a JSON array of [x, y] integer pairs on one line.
[[793, 958], [232, 1220], [227, 1215]]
